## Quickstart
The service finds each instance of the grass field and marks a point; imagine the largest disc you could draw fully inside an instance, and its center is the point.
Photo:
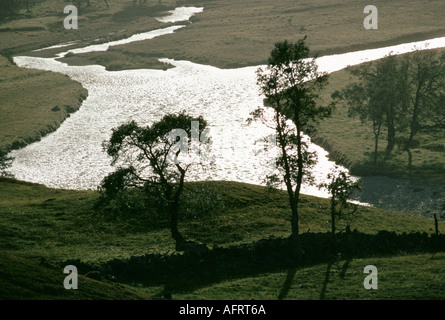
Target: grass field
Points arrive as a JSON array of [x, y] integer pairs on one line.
[[230, 33], [403, 277], [58, 224], [416, 277], [33, 103], [37, 222]]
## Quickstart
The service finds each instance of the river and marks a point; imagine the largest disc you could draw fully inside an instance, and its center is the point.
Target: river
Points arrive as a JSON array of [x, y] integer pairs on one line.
[[72, 157]]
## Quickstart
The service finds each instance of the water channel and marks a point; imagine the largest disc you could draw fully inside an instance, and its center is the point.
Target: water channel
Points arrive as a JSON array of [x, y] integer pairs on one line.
[[72, 157]]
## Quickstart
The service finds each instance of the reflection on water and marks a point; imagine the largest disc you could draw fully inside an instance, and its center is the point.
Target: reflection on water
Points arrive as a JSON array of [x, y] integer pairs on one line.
[[133, 38], [180, 14], [72, 157]]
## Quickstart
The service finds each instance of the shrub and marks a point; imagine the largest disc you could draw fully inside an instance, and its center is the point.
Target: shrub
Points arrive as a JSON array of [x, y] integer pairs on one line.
[[200, 203]]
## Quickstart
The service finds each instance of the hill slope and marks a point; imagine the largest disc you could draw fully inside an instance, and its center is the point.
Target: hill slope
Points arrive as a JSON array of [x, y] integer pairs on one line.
[[27, 279]]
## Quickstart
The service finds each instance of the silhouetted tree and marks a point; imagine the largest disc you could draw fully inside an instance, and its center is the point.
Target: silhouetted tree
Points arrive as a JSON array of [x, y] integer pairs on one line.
[[426, 90], [341, 187], [5, 163], [399, 93], [291, 84], [153, 159], [377, 98]]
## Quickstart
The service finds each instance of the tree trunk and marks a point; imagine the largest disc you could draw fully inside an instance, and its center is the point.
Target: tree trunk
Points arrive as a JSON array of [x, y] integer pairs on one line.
[[413, 128], [295, 224], [376, 127], [295, 217], [409, 143], [391, 132], [415, 117], [376, 148], [287, 177], [410, 162], [177, 236], [333, 222], [411, 136]]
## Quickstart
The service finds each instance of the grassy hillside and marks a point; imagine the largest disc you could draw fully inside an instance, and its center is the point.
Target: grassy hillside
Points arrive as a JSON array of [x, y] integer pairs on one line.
[[37, 222], [24, 279]]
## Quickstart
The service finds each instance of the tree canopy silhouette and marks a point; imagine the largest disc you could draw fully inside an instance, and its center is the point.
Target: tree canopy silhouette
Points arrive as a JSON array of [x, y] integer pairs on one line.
[[291, 84], [156, 159]]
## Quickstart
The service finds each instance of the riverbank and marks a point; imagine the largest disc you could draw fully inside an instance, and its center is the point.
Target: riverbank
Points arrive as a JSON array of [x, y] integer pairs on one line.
[[227, 34], [34, 103], [232, 34]]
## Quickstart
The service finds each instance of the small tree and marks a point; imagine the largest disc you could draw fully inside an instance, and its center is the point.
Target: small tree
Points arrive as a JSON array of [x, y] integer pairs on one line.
[[359, 104], [290, 84], [436, 113], [155, 158], [425, 92], [8, 7], [341, 187], [5, 163], [377, 98], [399, 93]]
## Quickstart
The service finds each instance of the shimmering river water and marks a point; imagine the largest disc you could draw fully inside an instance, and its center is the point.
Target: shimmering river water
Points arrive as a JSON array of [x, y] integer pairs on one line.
[[72, 157]]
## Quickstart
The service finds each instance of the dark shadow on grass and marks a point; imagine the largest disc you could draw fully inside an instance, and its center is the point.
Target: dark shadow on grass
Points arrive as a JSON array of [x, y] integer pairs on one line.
[[186, 272], [325, 281], [344, 268], [287, 283]]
